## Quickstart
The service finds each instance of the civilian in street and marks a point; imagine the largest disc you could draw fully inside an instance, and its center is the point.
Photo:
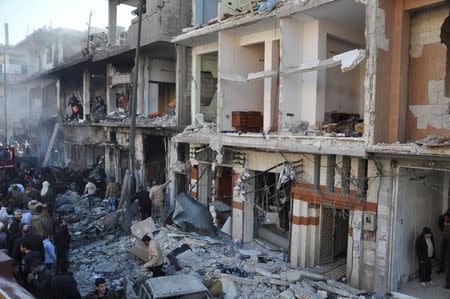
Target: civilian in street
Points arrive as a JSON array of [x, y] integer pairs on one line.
[[61, 241], [155, 256], [444, 243], [425, 252], [63, 285], [156, 195], [89, 191], [50, 255], [102, 291], [145, 204], [39, 279], [112, 194]]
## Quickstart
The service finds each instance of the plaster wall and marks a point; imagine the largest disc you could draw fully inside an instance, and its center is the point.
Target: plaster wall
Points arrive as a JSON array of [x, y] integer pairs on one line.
[[240, 60], [428, 111]]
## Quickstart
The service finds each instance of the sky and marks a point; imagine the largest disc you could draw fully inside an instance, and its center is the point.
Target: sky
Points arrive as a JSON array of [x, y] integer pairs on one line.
[[25, 16]]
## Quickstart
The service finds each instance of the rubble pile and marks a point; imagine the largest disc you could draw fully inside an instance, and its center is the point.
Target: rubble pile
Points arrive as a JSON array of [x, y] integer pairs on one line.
[[228, 269]]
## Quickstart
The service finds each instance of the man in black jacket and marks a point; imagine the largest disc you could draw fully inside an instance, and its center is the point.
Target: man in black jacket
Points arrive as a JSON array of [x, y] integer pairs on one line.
[[61, 240], [39, 279], [28, 256], [425, 251], [444, 243], [145, 204], [63, 285], [35, 242]]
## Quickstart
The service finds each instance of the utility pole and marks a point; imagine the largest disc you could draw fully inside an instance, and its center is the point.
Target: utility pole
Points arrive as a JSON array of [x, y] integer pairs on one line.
[[5, 106], [131, 148], [88, 48]]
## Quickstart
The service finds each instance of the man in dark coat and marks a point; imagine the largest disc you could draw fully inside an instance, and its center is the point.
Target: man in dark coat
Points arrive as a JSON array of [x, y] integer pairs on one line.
[[39, 279], [446, 234], [34, 239], [28, 256], [63, 285], [61, 240], [444, 243], [145, 204], [425, 251]]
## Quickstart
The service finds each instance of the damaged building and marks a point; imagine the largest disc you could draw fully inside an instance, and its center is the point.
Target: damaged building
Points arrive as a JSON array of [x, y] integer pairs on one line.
[[318, 128], [323, 125]]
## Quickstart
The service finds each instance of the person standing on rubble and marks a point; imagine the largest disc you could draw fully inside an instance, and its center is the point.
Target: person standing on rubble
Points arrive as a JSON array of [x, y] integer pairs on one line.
[[112, 194], [156, 196], [145, 204], [48, 197], [155, 256], [61, 240], [90, 190], [102, 291]]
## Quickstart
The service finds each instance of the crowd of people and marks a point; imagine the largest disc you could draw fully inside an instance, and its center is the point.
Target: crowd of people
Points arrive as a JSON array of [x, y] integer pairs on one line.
[[38, 240]]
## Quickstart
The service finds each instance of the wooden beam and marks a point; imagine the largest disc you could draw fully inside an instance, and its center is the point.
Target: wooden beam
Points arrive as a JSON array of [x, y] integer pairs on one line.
[[410, 5]]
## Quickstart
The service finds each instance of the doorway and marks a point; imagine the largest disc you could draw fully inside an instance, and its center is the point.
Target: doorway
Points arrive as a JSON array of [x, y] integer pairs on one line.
[[334, 235]]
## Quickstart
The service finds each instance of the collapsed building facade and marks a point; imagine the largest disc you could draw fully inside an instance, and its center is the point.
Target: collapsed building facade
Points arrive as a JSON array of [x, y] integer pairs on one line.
[[323, 124]]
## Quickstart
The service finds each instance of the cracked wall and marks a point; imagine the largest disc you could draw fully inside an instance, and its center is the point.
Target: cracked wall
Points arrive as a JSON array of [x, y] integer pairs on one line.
[[428, 107]]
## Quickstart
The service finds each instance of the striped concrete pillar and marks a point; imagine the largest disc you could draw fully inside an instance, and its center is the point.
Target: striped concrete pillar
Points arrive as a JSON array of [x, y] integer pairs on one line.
[[237, 231], [299, 232], [194, 186]]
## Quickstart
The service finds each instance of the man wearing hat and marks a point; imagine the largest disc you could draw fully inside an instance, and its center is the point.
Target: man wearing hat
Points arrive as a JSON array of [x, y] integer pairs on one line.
[[102, 291], [425, 251]]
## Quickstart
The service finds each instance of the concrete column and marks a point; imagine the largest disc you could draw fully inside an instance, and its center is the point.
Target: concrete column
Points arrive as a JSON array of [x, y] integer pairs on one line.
[[182, 111], [385, 191], [331, 162], [196, 85], [313, 236], [297, 252], [445, 192], [269, 60], [112, 21], [354, 248], [173, 158], [205, 182], [146, 87], [317, 159], [110, 94], [345, 175], [249, 205], [86, 94], [237, 217], [141, 86], [58, 97]]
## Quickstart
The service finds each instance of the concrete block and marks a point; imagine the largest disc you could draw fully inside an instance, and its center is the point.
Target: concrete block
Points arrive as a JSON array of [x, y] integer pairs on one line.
[[288, 294], [291, 275]]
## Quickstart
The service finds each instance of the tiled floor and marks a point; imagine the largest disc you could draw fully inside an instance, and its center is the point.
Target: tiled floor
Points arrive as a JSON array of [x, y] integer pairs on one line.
[[435, 291]]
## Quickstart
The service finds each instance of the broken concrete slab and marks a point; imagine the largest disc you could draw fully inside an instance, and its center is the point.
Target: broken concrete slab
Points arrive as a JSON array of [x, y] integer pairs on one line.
[[288, 294], [291, 275], [142, 228]]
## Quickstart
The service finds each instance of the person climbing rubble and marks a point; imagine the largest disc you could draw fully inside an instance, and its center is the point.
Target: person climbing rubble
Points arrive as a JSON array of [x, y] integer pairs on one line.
[[156, 196], [145, 204], [89, 192], [155, 256], [112, 194], [102, 291]]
